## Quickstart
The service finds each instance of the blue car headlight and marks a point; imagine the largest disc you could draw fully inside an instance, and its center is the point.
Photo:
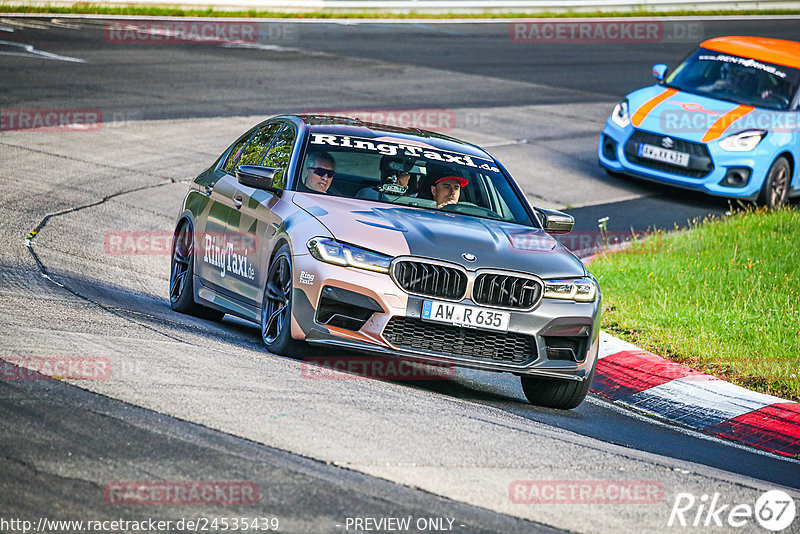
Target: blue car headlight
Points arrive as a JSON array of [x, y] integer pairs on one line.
[[579, 290], [620, 115], [331, 251], [742, 141]]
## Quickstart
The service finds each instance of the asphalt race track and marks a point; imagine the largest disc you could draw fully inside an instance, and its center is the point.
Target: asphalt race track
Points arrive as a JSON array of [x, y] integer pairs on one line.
[[192, 400]]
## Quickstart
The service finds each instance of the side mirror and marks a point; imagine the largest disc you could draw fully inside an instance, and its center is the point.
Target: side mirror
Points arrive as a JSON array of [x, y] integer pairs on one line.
[[556, 222], [258, 177], [660, 72]]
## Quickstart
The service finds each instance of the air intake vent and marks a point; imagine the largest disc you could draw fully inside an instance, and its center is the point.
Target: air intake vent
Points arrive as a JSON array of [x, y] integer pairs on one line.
[[507, 347]]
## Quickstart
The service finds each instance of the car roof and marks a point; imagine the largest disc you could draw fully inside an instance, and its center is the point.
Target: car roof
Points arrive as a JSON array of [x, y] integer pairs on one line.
[[359, 128], [777, 51]]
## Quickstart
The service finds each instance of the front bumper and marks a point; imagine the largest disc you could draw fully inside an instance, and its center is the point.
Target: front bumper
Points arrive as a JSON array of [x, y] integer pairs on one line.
[[612, 155], [391, 326]]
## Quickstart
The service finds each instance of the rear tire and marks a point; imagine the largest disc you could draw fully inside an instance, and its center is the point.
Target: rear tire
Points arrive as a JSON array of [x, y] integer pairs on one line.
[[181, 280], [276, 308], [775, 190], [556, 393]]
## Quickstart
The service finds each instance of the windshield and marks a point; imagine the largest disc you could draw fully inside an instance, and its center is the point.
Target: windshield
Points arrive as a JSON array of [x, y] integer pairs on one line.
[[410, 173], [737, 79]]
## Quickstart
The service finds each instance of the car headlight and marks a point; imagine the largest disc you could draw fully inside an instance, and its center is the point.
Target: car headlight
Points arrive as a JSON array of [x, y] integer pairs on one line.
[[742, 141], [620, 115], [331, 251], [579, 290]]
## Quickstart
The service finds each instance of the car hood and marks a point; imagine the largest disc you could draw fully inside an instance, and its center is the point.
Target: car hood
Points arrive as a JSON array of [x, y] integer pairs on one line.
[[400, 231], [689, 116]]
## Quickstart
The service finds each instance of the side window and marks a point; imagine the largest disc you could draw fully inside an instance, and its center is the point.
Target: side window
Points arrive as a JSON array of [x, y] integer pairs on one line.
[[279, 153], [235, 153], [258, 145]]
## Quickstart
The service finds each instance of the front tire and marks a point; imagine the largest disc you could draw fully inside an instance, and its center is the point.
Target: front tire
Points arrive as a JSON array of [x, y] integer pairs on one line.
[[775, 190], [276, 309], [556, 393], [181, 280]]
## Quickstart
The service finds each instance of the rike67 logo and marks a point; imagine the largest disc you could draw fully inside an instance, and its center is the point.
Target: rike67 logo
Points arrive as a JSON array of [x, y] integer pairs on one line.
[[774, 510]]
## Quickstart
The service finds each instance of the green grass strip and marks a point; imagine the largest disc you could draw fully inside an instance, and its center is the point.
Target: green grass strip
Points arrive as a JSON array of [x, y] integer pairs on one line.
[[722, 297], [154, 11]]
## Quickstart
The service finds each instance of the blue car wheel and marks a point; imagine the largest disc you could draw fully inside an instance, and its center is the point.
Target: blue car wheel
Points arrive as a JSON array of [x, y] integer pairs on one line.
[[776, 186]]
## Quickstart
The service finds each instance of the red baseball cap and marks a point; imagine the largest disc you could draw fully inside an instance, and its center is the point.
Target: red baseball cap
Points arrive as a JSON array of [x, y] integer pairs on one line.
[[460, 179]]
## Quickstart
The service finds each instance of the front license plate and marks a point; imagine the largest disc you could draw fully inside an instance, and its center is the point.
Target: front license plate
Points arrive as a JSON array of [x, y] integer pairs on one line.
[[460, 315], [664, 154]]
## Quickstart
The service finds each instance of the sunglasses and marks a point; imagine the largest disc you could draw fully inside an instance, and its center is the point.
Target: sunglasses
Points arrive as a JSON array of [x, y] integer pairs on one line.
[[322, 171]]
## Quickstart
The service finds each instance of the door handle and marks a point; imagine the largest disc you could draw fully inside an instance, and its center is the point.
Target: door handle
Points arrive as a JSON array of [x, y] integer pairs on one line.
[[208, 189], [237, 202]]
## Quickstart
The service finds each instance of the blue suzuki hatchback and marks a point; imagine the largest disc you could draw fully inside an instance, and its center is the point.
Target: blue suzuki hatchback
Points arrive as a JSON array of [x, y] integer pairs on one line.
[[725, 122]]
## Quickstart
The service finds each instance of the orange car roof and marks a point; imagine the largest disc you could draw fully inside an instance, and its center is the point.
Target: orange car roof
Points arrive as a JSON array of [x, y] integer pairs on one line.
[[777, 51]]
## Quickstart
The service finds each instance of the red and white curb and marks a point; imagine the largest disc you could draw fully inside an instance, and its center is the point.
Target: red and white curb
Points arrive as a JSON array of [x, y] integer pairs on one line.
[[629, 375]]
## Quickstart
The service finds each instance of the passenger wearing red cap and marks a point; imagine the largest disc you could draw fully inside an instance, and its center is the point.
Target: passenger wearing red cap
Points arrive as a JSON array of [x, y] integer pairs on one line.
[[447, 190]]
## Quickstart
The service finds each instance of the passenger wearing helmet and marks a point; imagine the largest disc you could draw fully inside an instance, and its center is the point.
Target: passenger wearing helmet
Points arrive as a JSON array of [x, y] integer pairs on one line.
[[399, 177]]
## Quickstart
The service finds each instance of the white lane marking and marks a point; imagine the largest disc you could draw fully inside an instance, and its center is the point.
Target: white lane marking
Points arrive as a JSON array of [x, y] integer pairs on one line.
[[259, 46], [428, 27], [509, 142], [422, 24], [612, 345], [65, 24], [699, 403], [30, 51], [32, 24], [103, 18], [47, 276]]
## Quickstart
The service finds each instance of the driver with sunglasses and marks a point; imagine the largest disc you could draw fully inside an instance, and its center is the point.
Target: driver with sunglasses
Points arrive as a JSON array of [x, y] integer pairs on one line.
[[319, 173]]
